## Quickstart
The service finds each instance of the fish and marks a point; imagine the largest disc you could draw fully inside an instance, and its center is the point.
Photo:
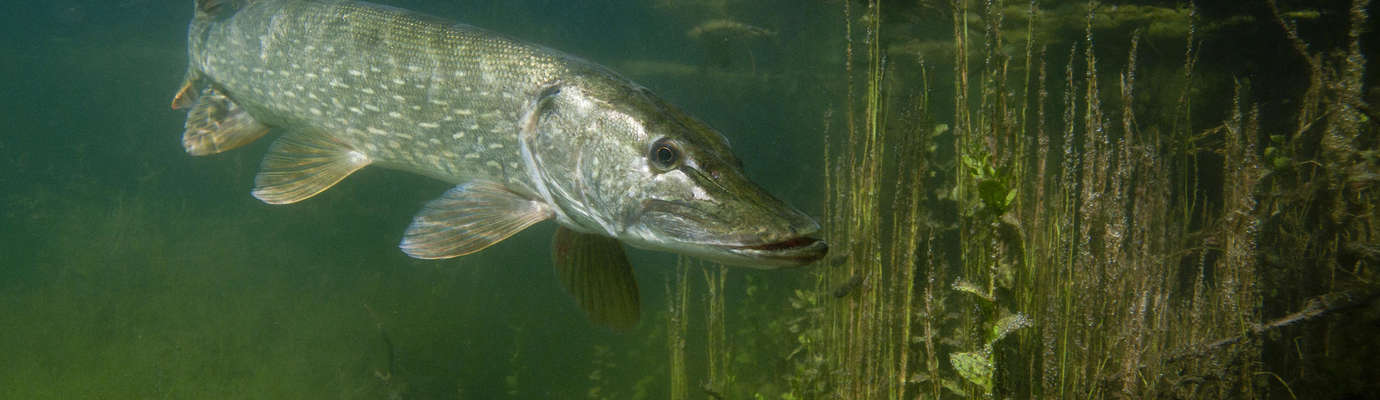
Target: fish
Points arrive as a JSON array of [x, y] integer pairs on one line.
[[525, 133]]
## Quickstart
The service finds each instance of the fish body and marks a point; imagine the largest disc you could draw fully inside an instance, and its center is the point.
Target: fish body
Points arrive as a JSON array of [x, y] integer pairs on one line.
[[406, 91], [526, 133]]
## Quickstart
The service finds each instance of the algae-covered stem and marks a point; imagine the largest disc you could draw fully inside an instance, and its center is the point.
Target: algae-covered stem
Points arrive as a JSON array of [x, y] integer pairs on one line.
[[677, 322]]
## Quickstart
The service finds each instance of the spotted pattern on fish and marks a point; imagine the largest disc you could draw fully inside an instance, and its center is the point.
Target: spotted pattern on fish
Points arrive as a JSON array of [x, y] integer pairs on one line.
[[398, 85]]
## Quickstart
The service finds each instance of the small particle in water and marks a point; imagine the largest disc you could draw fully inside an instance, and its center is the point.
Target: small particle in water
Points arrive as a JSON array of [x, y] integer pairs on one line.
[[847, 287]]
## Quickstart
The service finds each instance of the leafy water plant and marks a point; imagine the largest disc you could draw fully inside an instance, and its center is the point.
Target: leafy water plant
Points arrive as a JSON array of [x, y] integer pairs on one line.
[[1045, 224], [1101, 231]]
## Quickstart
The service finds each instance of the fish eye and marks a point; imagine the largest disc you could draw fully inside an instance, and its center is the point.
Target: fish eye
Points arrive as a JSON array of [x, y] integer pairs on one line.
[[664, 155]]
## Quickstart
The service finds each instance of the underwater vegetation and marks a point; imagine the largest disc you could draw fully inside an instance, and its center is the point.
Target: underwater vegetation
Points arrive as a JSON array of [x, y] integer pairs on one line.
[[1088, 200]]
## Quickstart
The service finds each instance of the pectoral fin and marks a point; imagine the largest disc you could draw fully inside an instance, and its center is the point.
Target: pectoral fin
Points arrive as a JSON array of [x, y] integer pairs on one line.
[[469, 218], [595, 271], [215, 123], [301, 164]]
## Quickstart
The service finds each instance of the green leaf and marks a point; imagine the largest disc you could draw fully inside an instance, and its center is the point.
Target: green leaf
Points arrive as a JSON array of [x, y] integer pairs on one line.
[[975, 367], [1281, 162], [994, 194], [971, 163], [965, 286], [1005, 326], [953, 387]]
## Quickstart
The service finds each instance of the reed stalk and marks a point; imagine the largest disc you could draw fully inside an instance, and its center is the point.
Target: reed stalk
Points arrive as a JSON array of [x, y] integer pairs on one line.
[[677, 302], [716, 344]]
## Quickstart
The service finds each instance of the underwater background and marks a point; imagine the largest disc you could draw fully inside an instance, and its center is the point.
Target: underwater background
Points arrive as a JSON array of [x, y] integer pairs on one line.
[[1042, 199]]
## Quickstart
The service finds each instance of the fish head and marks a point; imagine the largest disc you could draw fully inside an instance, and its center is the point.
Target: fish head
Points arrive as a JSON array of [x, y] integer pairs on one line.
[[614, 159]]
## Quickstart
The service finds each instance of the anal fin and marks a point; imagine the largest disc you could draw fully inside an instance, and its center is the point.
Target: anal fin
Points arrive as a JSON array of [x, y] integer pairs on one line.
[[301, 164], [216, 123], [469, 218], [596, 272]]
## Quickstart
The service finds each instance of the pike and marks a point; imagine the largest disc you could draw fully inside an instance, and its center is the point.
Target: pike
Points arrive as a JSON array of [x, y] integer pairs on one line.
[[526, 134]]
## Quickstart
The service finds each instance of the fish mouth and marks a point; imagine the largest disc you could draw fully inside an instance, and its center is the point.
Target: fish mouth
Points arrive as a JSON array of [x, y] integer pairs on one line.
[[795, 251], [792, 245]]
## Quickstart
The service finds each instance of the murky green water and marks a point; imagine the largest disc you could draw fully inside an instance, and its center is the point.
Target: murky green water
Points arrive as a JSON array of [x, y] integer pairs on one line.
[[129, 269]]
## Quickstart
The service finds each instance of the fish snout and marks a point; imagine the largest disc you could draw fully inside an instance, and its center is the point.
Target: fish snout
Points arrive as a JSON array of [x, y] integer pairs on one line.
[[758, 237], [790, 239]]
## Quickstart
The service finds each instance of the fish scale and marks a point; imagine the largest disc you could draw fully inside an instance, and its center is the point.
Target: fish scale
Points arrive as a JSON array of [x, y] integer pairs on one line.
[[391, 84]]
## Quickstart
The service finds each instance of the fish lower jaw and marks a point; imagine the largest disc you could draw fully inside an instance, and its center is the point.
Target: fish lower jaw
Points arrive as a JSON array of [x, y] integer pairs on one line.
[[791, 252], [788, 244]]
